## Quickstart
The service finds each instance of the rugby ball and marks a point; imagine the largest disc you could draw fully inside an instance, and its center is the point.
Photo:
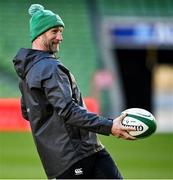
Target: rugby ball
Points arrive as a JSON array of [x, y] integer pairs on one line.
[[142, 120]]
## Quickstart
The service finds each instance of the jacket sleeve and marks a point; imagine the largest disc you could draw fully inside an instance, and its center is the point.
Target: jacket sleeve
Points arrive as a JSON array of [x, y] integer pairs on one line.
[[23, 106], [24, 110], [59, 93]]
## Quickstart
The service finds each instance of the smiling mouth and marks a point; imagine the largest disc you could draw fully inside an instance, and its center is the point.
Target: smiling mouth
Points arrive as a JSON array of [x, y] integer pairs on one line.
[[55, 44]]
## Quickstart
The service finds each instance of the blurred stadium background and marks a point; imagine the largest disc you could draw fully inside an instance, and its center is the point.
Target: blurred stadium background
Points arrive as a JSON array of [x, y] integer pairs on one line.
[[121, 53]]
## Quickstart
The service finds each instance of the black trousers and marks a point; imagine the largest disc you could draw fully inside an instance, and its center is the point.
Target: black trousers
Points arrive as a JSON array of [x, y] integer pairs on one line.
[[97, 166]]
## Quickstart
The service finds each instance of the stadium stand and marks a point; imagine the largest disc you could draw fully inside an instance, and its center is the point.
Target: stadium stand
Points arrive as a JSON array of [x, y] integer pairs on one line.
[[136, 7], [77, 50]]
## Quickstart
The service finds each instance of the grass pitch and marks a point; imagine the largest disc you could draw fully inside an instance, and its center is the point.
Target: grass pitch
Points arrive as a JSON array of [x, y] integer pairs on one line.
[[150, 158]]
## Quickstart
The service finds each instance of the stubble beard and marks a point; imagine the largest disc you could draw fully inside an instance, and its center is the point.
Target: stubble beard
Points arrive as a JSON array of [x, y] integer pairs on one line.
[[49, 45], [52, 48]]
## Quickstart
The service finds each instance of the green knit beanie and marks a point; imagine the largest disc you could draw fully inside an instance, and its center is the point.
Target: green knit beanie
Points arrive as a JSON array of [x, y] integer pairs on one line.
[[42, 20]]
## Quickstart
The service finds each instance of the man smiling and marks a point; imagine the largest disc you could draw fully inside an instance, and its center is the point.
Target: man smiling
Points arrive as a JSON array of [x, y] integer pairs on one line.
[[64, 131], [50, 40]]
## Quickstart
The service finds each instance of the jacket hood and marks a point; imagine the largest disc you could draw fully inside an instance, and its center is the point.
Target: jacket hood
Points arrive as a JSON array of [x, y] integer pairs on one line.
[[26, 58]]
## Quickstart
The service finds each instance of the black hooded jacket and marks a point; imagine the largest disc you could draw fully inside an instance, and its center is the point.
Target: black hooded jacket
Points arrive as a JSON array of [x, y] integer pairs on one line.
[[64, 131]]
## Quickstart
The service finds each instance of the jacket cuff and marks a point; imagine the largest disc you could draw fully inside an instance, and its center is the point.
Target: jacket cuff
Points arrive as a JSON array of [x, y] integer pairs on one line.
[[107, 126]]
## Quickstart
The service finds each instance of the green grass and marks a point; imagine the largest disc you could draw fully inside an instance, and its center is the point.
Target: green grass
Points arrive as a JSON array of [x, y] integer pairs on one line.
[[18, 157], [143, 159], [146, 158]]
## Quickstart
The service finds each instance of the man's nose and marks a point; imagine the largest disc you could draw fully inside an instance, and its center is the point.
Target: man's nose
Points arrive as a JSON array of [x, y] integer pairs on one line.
[[59, 37]]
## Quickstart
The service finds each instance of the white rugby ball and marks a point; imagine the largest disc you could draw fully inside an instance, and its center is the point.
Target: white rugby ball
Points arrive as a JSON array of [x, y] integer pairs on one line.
[[143, 121]]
